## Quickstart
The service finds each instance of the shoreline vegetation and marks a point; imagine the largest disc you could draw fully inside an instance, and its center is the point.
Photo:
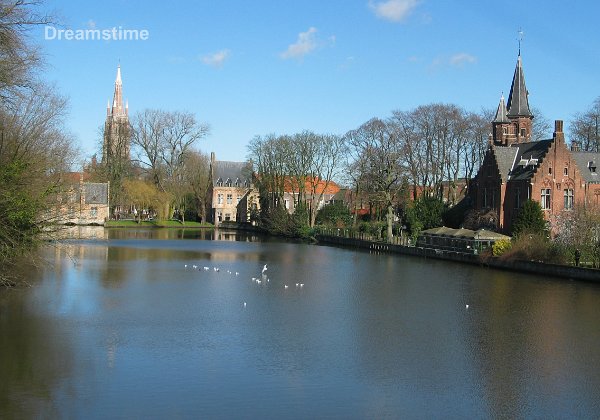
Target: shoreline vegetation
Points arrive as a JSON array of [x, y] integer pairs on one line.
[[373, 244]]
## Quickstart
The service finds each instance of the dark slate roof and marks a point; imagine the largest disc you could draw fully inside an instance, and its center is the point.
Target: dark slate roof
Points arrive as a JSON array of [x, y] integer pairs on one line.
[[234, 171], [96, 193], [501, 112], [529, 157], [505, 157], [518, 104], [589, 165]]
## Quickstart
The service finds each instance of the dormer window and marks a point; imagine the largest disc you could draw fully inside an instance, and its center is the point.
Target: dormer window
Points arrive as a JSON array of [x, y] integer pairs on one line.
[[228, 183], [219, 182], [592, 166]]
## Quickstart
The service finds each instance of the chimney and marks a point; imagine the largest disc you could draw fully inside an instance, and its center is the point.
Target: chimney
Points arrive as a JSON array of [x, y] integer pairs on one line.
[[559, 136], [574, 146], [558, 126]]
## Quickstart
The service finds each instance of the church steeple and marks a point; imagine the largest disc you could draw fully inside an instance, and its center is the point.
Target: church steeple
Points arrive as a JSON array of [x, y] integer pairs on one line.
[[118, 110], [518, 103], [116, 128], [501, 112]]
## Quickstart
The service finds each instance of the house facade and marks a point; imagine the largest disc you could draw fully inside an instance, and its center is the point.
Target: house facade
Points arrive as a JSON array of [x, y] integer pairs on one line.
[[516, 169], [233, 195], [315, 192], [82, 203]]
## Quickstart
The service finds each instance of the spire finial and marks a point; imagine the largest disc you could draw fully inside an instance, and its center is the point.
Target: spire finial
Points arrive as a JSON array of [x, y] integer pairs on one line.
[[520, 39]]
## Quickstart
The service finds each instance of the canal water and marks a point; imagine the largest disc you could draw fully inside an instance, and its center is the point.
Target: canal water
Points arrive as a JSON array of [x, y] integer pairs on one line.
[[118, 327]]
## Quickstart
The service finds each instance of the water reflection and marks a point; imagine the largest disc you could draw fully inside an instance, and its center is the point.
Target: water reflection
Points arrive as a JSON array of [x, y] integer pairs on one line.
[[123, 320]]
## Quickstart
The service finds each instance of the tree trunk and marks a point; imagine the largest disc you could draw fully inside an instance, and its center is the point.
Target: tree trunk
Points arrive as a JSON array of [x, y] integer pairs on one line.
[[390, 221]]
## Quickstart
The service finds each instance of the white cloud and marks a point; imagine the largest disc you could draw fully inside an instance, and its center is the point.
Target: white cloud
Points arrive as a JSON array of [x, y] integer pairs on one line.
[[393, 10], [460, 59], [216, 59], [307, 42]]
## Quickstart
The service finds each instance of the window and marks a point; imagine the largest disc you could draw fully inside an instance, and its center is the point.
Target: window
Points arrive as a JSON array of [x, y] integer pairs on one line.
[[94, 212], [569, 199], [523, 132], [227, 217], [219, 198], [566, 171], [505, 130], [545, 199], [550, 170], [287, 203], [229, 198], [219, 182], [239, 198], [228, 183]]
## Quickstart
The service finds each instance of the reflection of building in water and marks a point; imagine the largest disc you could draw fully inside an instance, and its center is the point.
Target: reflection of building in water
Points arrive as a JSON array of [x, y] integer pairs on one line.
[[83, 232], [78, 252]]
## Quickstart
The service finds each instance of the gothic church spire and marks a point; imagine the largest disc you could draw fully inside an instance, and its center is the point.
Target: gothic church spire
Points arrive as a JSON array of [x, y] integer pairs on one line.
[[518, 103]]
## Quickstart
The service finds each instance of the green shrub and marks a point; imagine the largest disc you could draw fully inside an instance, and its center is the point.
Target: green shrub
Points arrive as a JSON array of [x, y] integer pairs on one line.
[[500, 247]]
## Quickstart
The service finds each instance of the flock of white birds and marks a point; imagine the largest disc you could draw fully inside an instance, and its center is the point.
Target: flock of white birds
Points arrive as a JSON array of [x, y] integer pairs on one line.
[[263, 279]]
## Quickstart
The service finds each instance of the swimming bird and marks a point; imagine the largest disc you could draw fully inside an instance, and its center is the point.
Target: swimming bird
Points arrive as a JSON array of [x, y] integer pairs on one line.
[[216, 269], [264, 269], [244, 304], [301, 284], [237, 274], [466, 306], [206, 268], [185, 265], [285, 286]]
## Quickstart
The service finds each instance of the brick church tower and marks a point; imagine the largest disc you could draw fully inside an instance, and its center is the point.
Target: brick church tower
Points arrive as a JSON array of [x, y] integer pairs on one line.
[[513, 121], [117, 135]]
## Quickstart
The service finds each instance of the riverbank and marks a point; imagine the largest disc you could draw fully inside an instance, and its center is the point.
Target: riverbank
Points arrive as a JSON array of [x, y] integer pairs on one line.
[[531, 267]]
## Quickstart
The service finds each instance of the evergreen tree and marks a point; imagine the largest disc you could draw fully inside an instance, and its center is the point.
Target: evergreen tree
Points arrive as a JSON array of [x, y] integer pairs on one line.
[[530, 219]]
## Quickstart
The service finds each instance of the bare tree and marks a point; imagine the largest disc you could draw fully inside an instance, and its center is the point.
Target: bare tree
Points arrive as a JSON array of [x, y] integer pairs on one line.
[[585, 128], [18, 57], [197, 177], [378, 148], [163, 140]]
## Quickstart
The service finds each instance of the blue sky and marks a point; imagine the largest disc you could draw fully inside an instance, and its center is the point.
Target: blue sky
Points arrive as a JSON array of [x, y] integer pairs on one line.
[[256, 67]]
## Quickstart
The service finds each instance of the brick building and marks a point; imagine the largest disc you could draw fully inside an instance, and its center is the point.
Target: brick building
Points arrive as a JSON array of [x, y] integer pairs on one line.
[[117, 134], [516, 169]]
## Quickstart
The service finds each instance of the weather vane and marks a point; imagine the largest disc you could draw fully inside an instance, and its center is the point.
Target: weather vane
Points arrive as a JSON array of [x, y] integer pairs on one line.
[[520, 39]]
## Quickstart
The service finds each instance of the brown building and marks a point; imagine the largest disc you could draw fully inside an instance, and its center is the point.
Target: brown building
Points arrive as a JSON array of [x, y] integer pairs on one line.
[[516, 169]]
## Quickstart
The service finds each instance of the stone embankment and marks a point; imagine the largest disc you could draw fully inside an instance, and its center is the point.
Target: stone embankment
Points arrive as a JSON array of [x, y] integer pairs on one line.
[[532, 267]]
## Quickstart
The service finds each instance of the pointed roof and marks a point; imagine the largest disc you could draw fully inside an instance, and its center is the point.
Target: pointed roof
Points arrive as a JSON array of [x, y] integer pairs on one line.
[[118, 80], [518, 104], [117, 109], [501, 112]]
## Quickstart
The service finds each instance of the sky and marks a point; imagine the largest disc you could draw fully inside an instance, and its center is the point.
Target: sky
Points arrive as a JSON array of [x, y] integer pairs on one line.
[[250, 68]]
